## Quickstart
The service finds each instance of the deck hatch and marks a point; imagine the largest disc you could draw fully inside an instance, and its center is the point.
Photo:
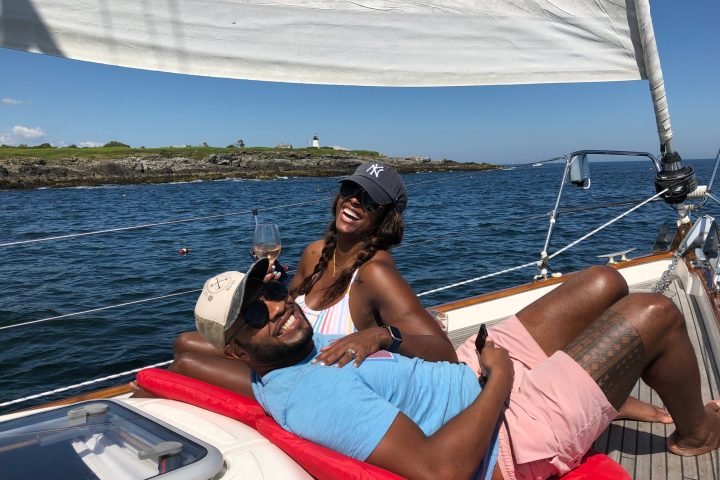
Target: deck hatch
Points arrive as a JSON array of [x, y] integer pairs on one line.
[[102, 439]]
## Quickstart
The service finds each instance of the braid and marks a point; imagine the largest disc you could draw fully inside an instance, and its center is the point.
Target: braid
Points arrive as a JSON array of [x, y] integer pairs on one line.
[[327, 252]]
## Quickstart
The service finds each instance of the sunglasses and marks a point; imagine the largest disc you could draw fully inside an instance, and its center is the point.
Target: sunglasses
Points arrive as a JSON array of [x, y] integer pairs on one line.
[[352, 189], [256, 313]]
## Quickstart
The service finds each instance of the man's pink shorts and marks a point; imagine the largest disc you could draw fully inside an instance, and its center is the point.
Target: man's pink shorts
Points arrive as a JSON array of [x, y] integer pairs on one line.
[[555, 411]]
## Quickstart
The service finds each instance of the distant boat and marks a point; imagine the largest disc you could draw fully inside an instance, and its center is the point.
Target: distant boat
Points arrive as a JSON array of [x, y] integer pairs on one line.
[[537, 164], [509, 168]]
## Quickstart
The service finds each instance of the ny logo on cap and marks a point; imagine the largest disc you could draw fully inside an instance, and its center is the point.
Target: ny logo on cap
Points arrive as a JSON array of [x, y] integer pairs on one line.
[[375, 169]]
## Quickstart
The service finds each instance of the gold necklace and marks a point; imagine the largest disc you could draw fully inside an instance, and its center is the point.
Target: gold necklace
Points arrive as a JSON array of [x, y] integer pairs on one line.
[[343, 265]]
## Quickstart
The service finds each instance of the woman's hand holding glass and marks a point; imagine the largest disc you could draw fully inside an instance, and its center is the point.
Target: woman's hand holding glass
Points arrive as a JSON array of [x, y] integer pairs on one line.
[[267, 244]]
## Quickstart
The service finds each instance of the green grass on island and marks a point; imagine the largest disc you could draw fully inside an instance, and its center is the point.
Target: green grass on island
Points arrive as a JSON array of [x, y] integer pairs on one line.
[[50, 154]]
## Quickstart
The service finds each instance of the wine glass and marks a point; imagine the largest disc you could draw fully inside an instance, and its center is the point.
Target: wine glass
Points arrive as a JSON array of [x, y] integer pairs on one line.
[[441, 318], [266, 242]]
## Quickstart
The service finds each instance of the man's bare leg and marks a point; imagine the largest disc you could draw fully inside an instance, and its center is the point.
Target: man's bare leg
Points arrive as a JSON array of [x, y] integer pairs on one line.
[[644, 336], [560, 316]]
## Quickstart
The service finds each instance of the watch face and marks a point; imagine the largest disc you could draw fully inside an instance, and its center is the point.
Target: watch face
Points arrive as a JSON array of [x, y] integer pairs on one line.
[[395, 333], [395, 338]]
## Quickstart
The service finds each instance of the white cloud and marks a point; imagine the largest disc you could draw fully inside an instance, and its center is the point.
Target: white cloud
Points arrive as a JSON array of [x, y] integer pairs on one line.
[[28, 132], [90, 144], [12, 101], [22, 134]]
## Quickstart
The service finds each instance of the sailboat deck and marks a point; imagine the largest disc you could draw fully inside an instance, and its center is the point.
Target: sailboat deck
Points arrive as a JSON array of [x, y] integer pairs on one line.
[[640, 447]]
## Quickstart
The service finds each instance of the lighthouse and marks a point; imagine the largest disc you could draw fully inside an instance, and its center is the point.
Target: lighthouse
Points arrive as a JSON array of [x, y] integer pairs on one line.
[[316, 142]]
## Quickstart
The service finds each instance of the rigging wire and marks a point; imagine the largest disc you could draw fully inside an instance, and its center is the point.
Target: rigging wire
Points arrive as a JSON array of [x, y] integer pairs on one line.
[[83, 384], [607, 224], [561, 211], [253, 211], [149, 225], [713, 197], [436, 239], [428, 292], [99, 309]]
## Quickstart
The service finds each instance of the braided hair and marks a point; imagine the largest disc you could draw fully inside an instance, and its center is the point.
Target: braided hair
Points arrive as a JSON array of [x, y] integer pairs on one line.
[[387, 233]]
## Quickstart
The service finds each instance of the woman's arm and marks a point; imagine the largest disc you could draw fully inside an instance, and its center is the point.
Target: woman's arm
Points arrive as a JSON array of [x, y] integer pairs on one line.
[[397, 305], [381, 292]]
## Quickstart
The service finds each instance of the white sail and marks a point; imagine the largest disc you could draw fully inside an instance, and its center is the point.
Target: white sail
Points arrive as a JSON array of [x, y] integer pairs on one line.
[[367, 42]]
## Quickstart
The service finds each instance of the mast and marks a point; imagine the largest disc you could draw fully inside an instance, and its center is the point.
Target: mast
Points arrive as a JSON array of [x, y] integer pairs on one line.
[[677, 178], [653, 70]]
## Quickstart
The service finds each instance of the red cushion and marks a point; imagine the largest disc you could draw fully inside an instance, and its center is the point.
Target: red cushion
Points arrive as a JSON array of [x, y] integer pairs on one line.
[[597, 466], [171, 385], [320, 462]]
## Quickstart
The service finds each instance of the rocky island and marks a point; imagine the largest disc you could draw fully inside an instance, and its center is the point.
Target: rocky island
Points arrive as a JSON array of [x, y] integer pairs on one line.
[[34, 167]]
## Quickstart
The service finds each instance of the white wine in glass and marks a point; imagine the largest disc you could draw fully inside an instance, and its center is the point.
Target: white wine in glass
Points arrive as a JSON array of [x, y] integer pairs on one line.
[[267, 241]]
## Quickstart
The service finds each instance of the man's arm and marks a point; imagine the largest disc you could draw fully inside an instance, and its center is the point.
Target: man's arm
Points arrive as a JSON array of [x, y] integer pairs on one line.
[[228, 373], [457, 448]]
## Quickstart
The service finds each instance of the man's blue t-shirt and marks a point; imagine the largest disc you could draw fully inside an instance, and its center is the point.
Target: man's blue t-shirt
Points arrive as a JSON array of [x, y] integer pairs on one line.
[[351, 409]]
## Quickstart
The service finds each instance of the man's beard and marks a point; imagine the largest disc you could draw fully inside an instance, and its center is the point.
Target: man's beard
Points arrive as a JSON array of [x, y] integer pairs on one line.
[[273, 353]]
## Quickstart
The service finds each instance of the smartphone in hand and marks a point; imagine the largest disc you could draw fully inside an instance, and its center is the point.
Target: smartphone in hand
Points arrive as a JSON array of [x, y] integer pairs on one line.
[[481, 337], [479, 345]]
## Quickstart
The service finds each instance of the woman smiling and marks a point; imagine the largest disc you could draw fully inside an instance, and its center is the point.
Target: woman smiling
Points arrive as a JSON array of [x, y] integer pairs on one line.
[[347, 283]]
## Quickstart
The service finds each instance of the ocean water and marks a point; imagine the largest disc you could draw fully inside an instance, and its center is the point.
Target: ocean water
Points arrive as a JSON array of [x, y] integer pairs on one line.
[[458, 226]]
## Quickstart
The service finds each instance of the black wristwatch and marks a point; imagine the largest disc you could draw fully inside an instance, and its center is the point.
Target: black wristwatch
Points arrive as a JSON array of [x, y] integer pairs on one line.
[[395, 338]]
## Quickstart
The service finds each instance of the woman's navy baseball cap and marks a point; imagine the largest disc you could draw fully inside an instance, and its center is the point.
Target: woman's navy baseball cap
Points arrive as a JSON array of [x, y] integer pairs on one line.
[[382, 183]]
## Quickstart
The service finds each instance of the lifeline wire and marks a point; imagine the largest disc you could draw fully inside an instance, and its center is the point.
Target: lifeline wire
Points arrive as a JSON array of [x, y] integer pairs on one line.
[[428, 292], [83, 384], [483, 277], [570, 245], [254, 211], [148, 225], [507, 270], [561, 211], [607, 224], [100, 309]]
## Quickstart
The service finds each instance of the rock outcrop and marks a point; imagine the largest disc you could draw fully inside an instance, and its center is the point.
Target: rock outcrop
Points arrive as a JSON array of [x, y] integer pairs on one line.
[[75, 171]]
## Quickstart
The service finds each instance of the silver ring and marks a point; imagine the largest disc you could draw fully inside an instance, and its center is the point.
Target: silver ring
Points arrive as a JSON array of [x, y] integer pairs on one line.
[[351, 352]]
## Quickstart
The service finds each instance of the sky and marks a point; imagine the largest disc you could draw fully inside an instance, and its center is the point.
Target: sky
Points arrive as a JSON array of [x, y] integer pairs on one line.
[[64, 102]]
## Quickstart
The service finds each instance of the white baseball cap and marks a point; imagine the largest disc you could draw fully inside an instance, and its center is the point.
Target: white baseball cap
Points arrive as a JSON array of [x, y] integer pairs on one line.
[[223, 298]]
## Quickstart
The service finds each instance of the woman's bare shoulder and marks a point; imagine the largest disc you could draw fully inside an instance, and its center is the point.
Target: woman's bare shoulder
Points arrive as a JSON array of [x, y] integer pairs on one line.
[[307, 262], [381, 266], [313, 250]]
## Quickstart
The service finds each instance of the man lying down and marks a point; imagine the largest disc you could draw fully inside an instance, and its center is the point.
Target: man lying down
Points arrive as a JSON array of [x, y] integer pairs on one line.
[[532, 418]]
